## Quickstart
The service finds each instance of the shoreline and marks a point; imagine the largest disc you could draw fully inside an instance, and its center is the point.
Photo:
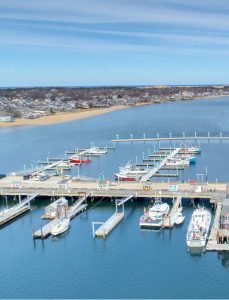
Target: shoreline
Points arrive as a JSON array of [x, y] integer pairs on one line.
[[80, 114], [63, 117]]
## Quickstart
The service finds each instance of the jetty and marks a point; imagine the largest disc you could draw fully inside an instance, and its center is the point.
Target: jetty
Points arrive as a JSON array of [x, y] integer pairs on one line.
[[213, 240], [171, 138], [169, 221]]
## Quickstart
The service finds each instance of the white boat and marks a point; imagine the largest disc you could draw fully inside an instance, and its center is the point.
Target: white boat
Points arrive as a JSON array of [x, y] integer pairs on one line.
[[96, 151], [177, 162], [130, 173], [191, 150], [198, 228], [152, 219], [61, 227], [179, 218]]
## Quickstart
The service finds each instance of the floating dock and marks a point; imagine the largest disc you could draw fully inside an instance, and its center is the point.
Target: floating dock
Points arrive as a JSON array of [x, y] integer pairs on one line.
[[113, 221], [71, 212], [107, 226], [212, 244], [169, 221]]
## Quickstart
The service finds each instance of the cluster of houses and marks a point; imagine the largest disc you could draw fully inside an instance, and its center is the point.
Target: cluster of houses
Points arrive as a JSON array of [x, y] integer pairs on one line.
[[36, 102]]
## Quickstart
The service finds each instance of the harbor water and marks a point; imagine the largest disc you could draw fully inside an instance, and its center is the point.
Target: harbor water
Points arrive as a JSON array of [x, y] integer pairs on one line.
[[129, 263]]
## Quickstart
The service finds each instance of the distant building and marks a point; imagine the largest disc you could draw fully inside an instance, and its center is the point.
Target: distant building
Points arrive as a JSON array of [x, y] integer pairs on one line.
[[6, 119]]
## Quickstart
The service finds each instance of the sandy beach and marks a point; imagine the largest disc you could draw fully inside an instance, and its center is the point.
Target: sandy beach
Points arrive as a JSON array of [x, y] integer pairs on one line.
[[63, 117]]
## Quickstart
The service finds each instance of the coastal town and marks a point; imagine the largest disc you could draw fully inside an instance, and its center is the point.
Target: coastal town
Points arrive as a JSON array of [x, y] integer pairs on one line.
[[32, 103]]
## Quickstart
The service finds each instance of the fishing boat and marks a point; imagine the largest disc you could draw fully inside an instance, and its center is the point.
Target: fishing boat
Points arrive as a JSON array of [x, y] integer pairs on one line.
[[79, 160], [130, 173], [198, 228], [61, 227], [153, 217]]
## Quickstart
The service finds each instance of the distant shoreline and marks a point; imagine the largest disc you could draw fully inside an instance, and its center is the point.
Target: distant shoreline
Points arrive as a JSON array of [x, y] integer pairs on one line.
[[79, 114]]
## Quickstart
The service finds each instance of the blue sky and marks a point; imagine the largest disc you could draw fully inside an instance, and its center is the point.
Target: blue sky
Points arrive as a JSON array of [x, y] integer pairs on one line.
[[113, 42]]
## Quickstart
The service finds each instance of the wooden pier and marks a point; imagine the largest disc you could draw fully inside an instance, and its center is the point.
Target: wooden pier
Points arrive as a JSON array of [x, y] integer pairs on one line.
[[169, 221], [213, 243]]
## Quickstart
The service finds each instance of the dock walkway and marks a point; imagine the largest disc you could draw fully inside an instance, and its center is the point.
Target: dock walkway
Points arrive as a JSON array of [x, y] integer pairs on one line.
[[153, 171], [212, 244], [169, 221]]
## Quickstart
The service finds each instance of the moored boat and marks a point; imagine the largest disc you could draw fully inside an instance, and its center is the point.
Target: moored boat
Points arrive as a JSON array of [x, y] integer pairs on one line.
[[179, 218], [153, 217], [79, 160], [61, 227], [198, 228]]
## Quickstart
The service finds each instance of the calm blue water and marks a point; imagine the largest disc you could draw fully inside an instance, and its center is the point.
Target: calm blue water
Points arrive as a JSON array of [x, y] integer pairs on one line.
[[130, 263]]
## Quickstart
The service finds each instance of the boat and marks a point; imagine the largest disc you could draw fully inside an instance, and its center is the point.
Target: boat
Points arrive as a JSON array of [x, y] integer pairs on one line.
[[130, 173], [179, 218], [191, 150], [153, 217], [96, 151], [177, 162], [79, 160], [61, 227], [190, 158], [198, 228]]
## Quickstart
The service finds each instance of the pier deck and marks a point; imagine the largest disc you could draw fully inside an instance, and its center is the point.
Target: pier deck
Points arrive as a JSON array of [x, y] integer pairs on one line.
[[212, 244], [169, 221], [11, 214]]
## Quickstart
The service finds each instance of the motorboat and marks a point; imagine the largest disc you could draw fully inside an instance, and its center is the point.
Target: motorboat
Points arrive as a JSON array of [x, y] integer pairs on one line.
[[130, 173], [61, 227], [179, 218], [198, 228], [79, 160], [153, 217]]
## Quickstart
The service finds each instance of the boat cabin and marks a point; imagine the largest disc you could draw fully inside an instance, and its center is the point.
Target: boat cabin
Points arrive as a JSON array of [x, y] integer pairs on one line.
[[56, 208]]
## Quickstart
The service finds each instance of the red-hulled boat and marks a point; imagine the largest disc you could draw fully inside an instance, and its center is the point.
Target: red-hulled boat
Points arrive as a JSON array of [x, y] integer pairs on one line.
[[79, 160]]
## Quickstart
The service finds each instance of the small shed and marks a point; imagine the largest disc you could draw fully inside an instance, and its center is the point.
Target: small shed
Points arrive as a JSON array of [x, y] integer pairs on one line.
[[224, 220], [57, 207]]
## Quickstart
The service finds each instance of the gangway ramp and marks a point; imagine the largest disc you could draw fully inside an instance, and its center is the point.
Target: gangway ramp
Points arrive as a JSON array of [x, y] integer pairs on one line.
[[9, 214], [124, 200], [168, 221]]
